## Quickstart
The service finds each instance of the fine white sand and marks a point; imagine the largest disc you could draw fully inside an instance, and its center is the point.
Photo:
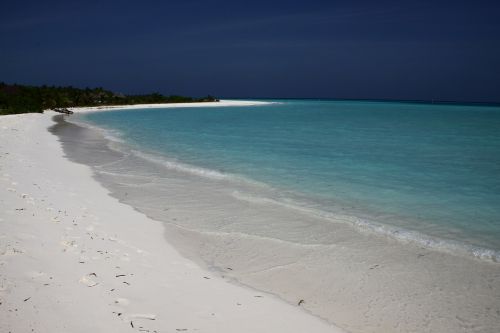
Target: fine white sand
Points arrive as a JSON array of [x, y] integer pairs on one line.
[[225, 102], [74, 259]]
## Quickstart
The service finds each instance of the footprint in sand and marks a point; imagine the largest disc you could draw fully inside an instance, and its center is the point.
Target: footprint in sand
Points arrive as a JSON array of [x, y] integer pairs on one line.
[[88, 281], [147, 316], [135, 320], [83, 259], [69, 243]]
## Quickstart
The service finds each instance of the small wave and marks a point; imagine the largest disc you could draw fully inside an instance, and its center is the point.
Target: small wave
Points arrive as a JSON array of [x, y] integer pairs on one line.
[[364, 225], [107, 133], [117, 143], [124, 178], [429, 242], [195, 170], [174, 165]]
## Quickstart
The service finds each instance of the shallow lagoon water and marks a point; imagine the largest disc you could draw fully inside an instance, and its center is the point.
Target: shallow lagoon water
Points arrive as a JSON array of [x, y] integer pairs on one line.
[[424, 171]]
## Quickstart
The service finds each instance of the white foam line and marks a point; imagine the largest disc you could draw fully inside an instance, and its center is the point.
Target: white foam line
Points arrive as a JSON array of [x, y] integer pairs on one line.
[[404, 235]]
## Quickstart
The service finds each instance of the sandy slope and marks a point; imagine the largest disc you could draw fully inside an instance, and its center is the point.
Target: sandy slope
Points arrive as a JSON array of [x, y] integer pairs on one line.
[[74, 259]]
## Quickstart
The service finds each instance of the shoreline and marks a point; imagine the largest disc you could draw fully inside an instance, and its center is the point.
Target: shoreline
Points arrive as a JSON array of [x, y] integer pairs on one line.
[[363, 283], [222, 102], [362, 222], [72, 259]]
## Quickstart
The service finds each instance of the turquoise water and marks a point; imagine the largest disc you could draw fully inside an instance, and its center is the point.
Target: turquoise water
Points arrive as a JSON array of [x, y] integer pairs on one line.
[[434, 169]]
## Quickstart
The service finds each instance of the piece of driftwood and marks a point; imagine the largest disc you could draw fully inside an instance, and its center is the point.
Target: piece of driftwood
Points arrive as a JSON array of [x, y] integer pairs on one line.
[[62, 110]]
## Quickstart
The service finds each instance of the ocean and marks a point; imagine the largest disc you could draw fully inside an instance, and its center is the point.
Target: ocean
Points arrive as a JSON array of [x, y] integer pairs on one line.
[[422, 173]]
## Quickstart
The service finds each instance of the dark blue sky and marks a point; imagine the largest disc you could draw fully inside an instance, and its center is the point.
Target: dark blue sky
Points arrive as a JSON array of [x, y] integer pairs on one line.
[[442, 50]]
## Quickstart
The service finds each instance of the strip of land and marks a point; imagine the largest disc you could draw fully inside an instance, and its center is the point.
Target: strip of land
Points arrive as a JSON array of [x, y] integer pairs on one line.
[[168, 105]]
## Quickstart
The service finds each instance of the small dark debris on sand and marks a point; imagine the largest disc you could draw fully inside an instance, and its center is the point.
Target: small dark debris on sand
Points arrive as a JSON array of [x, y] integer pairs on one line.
[[301, 302]]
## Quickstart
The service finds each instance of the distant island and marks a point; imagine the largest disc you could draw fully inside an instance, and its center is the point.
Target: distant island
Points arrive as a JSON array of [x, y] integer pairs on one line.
[[15, 98]]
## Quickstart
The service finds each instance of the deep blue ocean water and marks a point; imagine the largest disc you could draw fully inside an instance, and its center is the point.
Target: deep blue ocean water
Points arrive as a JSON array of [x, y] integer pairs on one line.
[[430, 168]]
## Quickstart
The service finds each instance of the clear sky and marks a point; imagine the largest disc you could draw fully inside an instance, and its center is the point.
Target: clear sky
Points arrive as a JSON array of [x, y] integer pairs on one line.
[[442, 50]]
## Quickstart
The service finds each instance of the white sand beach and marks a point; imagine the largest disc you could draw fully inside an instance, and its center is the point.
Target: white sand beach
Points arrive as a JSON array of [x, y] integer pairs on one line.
[[74, 259]]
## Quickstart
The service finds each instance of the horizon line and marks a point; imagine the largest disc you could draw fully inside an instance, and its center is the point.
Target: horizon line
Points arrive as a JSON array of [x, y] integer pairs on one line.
[[410, 101]]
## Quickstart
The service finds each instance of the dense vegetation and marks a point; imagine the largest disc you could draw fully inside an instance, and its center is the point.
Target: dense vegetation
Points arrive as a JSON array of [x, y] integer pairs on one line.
[[22, 99]]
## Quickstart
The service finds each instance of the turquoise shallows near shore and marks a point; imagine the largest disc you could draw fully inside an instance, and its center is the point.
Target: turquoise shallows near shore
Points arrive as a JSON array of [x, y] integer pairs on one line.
[[421, 172]]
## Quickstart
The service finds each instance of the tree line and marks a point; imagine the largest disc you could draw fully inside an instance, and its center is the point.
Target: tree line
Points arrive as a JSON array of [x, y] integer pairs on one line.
[[16, 98]]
